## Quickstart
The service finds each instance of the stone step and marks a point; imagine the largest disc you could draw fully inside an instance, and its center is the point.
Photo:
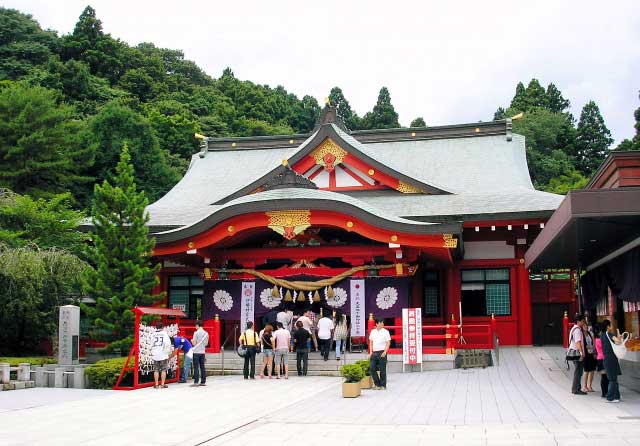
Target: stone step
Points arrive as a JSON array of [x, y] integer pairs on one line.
[[18, 385]]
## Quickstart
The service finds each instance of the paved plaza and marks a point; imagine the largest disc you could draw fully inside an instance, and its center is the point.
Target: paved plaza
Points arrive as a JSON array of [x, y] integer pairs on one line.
[[524, 400]]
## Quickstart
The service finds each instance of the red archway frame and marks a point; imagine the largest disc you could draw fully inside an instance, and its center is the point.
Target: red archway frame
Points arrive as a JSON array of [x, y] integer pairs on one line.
[[135, 349], [235, 225]]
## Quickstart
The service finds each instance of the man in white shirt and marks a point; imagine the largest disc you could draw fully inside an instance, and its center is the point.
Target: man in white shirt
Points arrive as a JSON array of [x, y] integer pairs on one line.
[[379, 342], [160, 350], [200, 341], [325, 332], [285, 317], [576, 342]]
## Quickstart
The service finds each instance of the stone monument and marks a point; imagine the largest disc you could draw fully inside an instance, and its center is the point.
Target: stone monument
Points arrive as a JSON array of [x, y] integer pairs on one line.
[[69, 335]]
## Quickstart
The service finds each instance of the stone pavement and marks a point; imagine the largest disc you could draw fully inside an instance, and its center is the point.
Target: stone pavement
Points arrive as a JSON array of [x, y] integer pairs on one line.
[[525, 400]]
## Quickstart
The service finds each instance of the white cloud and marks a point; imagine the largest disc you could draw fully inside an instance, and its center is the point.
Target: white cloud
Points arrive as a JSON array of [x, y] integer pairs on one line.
[[449, 62]]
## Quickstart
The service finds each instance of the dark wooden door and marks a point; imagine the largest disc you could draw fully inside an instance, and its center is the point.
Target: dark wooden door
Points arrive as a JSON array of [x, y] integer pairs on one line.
[[547, 323]]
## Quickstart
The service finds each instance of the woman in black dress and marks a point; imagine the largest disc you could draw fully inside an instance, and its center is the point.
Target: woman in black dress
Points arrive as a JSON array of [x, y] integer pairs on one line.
[[610, 361]]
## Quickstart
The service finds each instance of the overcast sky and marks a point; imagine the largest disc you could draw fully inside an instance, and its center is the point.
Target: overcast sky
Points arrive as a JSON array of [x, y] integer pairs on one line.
[[447, 61]]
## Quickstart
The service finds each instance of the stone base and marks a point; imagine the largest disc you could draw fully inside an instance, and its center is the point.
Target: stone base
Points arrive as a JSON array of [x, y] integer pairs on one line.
[[18, 385]]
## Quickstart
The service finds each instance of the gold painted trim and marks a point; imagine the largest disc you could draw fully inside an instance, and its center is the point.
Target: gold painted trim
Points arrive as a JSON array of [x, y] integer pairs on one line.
[[449, 241], [406, 188]]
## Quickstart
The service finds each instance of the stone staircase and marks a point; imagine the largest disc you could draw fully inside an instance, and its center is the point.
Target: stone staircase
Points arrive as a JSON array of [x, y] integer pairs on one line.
[[233, 364]]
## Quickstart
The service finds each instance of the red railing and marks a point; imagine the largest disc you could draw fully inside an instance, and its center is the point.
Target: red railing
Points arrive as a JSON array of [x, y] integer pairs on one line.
[[451, 337]]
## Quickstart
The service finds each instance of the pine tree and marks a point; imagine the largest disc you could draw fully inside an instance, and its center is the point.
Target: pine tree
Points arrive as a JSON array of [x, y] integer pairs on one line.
[[123, 276], [534, 95], [349, 117], [418, 122], [593, 139], [555, 102], [518, 101], [383, 115]]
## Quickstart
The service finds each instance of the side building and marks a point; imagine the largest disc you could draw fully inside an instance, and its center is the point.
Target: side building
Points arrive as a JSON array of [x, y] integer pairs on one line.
[[437, 218]]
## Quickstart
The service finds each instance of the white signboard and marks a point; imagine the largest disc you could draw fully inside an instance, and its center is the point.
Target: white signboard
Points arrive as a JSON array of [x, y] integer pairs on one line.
[[412, 336], [247, 303], [358, 312], [181, 307]]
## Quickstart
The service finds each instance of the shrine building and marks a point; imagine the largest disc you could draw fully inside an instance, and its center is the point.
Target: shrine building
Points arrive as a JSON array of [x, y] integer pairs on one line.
[[362, 222]]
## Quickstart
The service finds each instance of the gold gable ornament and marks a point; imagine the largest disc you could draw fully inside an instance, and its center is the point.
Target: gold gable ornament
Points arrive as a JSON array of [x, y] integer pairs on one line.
[[329, 154]]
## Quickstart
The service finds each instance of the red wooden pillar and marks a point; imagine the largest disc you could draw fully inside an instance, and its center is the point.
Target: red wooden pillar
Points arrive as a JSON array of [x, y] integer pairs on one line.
[[371, 324], [453, 293], [451, 336], [524, 306], [565, 330]]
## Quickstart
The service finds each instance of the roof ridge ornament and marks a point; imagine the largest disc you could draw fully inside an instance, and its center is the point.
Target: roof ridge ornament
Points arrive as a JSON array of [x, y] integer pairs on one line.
[[287, 178], [329, 115]]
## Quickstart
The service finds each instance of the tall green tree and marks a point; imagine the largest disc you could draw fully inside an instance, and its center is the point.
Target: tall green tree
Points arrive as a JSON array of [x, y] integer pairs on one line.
[[123, 276], [383, 116], [88, 43], [593, 139], [40, 148], [554, 101], [418, 122], [349, 117], [305, 114]]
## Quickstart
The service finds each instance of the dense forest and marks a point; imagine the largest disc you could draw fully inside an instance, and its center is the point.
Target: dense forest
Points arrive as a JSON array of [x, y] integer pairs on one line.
[[92, 125]]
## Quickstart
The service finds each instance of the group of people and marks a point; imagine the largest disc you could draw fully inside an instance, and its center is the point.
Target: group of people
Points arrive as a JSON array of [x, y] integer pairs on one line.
[[285, 333], [292, 333], [591, 349], [164, 348]]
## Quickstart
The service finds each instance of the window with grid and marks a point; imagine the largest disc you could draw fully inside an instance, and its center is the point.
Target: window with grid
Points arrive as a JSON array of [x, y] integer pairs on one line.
[[185, 293], [485, 291], [431, 294]]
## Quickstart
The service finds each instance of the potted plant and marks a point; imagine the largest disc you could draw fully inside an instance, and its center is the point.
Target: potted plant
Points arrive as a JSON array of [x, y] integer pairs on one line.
[[366, 382], [352, 374]]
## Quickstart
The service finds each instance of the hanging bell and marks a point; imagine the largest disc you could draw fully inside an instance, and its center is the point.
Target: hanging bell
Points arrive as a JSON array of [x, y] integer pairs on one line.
[[287, 296], [316, 296], [274, 292], [330, 293], [301, 297]]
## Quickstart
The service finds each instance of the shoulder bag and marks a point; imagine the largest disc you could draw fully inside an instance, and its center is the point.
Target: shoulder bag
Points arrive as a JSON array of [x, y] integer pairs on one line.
[[242, 348], [619, 349], [572, 354]]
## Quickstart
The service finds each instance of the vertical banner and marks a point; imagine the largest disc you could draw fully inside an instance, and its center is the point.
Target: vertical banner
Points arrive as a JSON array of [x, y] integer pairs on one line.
[[412, 336], [247, 303], [358, 314]]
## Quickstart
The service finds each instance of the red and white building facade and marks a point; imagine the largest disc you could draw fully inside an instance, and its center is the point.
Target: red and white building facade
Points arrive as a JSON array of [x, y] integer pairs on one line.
[[434, 218]]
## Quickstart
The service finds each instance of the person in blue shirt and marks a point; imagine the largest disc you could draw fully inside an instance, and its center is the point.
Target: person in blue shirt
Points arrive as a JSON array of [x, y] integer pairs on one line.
[[182, 343]]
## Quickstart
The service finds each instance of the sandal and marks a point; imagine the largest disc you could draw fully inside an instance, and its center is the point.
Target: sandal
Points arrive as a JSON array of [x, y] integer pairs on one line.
[[156, 386], [164, 386]]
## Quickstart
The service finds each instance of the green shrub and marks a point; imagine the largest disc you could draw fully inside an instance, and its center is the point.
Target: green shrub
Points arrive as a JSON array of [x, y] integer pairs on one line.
[[33, 360], [104, 374], [352, 373], [365, 365]]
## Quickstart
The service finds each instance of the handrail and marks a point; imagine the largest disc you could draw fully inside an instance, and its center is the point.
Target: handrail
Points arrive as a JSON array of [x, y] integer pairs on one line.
[[222, 348]]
